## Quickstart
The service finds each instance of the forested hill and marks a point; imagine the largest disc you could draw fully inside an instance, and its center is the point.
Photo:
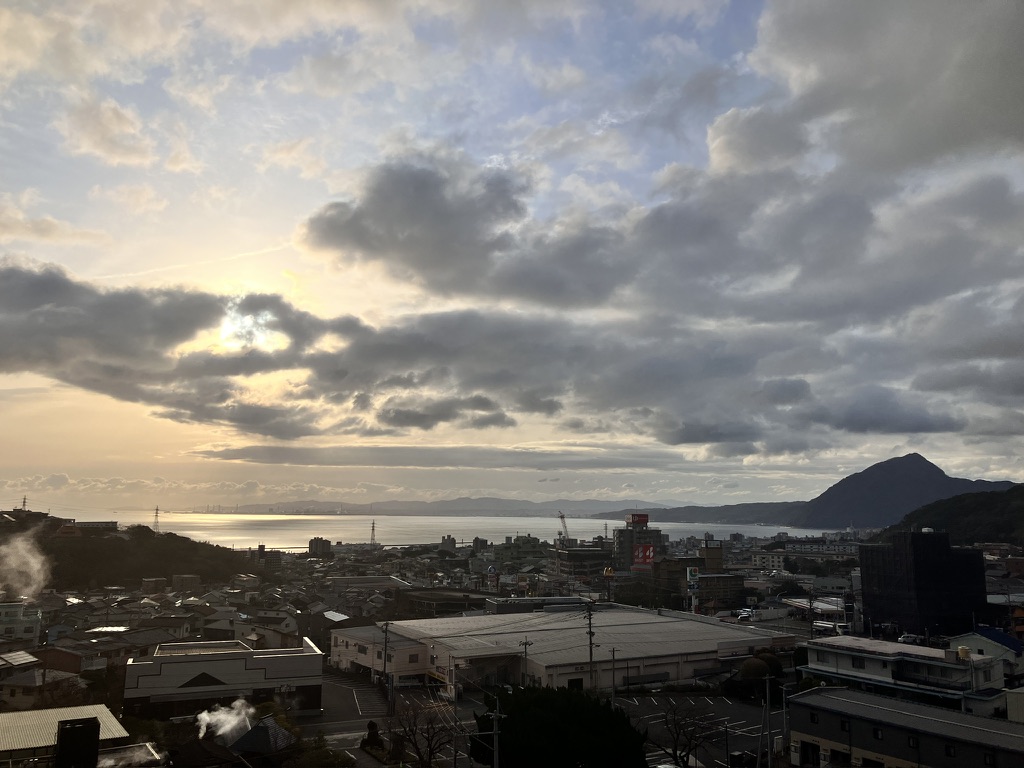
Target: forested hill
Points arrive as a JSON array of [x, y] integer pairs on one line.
[[971, 518], [93, 561]]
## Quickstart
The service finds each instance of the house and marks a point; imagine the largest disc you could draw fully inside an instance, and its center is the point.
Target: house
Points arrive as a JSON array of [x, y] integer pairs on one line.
[[957, 678], [32, 736]]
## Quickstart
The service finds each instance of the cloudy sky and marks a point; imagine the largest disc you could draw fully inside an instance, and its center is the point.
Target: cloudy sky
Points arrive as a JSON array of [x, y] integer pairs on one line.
[[662, 249]]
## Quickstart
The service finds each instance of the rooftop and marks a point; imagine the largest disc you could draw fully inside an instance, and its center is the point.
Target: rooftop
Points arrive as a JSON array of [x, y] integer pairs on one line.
[[38, 728], [938, 721], [556, 636], [886, 648]]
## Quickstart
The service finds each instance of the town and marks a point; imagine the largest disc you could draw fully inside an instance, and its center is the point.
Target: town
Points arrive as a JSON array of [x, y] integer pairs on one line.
[[772, 650]]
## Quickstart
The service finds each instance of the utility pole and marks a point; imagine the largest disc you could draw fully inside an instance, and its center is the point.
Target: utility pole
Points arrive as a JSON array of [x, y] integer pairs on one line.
[[526, 643], [387, 681], [590, 638], [496, 719], [614, 691]]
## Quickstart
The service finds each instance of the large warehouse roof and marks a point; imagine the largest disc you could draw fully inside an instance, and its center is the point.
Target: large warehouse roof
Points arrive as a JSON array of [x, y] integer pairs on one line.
[[556, 637]]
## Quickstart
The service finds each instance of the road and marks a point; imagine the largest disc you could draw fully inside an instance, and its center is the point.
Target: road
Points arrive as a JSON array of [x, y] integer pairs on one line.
[[350, 702]]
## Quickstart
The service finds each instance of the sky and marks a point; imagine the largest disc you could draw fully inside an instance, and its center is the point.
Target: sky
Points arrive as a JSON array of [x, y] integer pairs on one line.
[[704, 252]]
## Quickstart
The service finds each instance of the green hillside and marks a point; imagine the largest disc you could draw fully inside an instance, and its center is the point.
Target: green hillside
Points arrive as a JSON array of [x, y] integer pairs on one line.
[[972, 517]]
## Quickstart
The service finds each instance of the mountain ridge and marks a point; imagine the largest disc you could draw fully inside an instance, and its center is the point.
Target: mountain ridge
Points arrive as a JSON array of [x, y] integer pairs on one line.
[[876, 497]]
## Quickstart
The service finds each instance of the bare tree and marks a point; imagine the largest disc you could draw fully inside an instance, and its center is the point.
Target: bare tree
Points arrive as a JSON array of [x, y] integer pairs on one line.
[[679, 729], [423, 730]]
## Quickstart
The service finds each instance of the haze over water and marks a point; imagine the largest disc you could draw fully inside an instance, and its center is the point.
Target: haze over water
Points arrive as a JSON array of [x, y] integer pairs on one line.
[[285, 531]]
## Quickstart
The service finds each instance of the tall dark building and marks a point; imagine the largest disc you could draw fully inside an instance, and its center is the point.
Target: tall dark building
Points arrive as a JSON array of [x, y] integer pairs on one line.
[[920, 582]]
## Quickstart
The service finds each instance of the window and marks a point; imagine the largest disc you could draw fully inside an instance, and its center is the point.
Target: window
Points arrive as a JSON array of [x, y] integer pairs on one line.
[[823, 657], [414, 658], [814, 717], [986, 675], [858, 662], [335, 642], [912, 742], [990, 758], [380, 654], [950, 750], [361, 649], [877, 733], [844, 725], [885, 665]]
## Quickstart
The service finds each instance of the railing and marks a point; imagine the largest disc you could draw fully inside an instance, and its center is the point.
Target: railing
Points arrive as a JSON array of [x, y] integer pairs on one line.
[[931, 681]]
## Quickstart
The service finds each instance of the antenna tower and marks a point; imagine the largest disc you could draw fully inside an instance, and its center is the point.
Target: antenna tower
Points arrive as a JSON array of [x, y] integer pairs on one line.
[[156, 519], [373, 533]]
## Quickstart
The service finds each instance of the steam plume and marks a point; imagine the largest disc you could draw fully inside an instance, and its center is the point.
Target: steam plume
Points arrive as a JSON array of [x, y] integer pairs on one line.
[[226, 723], [24, 569]]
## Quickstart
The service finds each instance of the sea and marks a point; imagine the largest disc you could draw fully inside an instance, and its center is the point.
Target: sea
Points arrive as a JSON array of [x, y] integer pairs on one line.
[[276, 531]]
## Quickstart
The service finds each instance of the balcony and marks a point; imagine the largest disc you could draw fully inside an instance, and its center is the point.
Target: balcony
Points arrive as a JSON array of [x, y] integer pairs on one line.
[[931, 681]]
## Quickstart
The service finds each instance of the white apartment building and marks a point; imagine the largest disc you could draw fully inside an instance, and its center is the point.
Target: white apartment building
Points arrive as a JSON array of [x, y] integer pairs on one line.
[[956, 677]]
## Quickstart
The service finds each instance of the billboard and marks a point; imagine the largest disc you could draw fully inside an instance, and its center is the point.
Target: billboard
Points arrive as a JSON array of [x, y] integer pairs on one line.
[[643, 554], [637, 518], [692, 572]]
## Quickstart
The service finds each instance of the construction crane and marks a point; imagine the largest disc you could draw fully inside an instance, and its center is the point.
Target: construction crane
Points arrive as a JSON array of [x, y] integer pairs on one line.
[[565, 528]]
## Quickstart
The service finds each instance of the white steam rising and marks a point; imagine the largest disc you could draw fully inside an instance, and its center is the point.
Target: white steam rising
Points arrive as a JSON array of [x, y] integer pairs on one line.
[[226, 723], [24, 569]]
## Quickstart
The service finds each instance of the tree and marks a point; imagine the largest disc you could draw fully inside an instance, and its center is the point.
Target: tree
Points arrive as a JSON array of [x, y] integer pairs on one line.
[[681, 729], [553, 728], [421, 730]]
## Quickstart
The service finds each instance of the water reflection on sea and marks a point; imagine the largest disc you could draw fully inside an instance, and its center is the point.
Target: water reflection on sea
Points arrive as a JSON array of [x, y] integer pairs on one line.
[[243, 531]]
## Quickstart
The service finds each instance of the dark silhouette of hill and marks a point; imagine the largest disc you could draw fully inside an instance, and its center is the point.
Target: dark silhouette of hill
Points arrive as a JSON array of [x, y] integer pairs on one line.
[[885, 492], [878, 496], [970, 518]]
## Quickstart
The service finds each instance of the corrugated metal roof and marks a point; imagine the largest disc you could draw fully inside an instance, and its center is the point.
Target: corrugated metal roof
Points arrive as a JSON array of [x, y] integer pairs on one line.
[[560, 637], [38, 728]]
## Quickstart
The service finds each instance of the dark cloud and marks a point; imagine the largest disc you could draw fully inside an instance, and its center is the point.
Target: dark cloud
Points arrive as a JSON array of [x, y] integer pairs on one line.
[[897, 92], [440, 223], [878, 409]]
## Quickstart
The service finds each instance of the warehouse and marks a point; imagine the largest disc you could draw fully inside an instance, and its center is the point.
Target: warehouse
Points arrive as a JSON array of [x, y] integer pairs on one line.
[[593, 646]]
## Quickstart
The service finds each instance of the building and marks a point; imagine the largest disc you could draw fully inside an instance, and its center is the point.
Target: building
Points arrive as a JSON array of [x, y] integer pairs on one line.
[[186, 582], [319, 547], [637, 544], [632, 647], [923, 585], [957, 678], [32, 736], [583, 562], [19, 626], [838, 727], [182, 678], [154, 584]]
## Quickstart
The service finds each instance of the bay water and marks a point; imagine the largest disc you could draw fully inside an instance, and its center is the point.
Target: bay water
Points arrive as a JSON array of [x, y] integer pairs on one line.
[[276, 531]]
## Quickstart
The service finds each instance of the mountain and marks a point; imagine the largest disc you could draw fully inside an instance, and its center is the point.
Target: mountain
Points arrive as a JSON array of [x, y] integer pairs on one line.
[[972, 517], [885, 492], [873, 498]]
